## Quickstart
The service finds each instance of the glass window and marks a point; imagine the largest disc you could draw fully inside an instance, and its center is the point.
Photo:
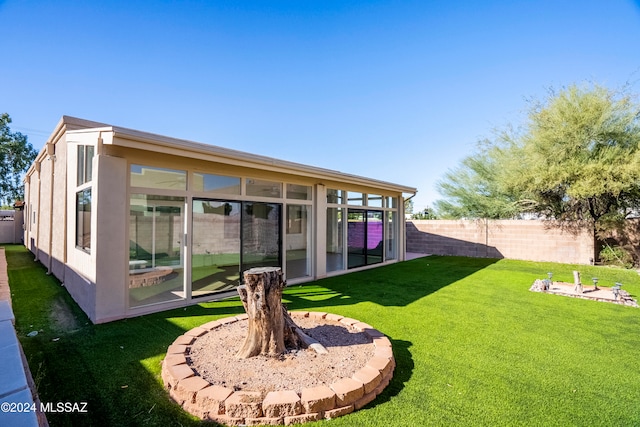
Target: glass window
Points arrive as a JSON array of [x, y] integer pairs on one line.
[[375, 237], [156, 249], [261, 240], [150, 177], [83, 219], [356, 199], [334, 196], [335, 245], [364, 237], [215, 247], [262, 188], [298, 192], [356, 238], [374, 200], [217, 184], [298, 238], [391, 251], [392, 202], [85, 163], [230, 237]]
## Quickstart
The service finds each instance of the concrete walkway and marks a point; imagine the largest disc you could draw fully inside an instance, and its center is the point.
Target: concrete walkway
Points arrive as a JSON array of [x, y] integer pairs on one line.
[[17, 407], [413, 255]]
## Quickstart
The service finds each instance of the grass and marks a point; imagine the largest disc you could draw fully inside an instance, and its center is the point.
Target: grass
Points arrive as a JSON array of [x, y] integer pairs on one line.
[[473, 346]]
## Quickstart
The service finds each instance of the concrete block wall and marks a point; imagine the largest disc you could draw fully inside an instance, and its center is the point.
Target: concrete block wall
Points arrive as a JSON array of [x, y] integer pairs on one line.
[[531, 240], [11, 223]]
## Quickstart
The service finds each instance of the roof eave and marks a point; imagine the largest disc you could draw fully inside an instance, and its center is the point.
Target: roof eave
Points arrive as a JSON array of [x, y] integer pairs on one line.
[[215, 153]]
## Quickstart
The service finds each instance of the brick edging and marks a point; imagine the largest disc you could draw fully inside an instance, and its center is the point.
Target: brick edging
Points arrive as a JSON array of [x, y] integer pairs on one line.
[[221, 404]]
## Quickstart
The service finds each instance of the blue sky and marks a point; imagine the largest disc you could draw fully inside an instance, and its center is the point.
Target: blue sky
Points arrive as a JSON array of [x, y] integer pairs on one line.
[[394, 90]]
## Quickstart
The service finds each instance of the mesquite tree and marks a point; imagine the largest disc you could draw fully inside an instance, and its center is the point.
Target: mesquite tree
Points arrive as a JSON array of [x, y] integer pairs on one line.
[[576, 158]]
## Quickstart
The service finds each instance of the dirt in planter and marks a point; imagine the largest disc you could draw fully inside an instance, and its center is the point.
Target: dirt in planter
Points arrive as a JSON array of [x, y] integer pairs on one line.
[[213, 357]]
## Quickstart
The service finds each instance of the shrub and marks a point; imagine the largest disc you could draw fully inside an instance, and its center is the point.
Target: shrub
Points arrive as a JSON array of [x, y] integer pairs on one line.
[[616, 255]]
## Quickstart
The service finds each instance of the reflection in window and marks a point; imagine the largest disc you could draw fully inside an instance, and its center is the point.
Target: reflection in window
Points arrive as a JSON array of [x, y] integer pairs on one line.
[[217, 184], [356, 199], [150, 177], [374, 200], [390, 236], [335, 245], [261, 239], [298, 192], [375, 237], [364, 237], [334, 196], [83, 219], [215, 247], [156, 250], [298, 238], [85, 163], [263, 188]]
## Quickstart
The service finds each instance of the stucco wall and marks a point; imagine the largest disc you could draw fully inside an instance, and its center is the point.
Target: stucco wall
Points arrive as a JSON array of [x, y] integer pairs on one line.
[[111, 205], [43, 218], [515, 239], [58, 246]]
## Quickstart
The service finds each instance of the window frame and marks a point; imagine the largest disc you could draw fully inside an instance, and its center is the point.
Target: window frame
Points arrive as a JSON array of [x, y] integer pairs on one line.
[[83, 223]]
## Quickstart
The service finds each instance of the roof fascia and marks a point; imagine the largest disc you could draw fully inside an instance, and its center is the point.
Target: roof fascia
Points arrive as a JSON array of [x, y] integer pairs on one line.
[[65, 125]]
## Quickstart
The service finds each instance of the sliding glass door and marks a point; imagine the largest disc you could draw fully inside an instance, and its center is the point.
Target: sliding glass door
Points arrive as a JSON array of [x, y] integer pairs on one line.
[[365, 237], [298, 251], [215, 248], [156, 252], [230, 237], [261, 240]]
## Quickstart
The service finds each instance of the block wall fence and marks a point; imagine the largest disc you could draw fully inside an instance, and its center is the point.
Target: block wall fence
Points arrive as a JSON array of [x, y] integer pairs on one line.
[[531, 240], [12, 231]]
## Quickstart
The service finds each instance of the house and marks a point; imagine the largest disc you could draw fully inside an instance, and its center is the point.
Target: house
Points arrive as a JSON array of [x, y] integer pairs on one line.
[[132, 222]]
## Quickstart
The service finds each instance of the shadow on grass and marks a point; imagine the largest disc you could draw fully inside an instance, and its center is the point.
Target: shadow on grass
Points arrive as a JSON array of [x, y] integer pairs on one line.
[[402, 373], [395, 285]]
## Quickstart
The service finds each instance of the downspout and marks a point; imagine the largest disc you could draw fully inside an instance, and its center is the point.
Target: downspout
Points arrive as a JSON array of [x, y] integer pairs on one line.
[[51, 156], [404, 202]]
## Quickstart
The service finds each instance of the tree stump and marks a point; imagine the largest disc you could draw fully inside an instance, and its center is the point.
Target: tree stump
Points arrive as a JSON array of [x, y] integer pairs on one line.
[[270, 328], [577, 282]]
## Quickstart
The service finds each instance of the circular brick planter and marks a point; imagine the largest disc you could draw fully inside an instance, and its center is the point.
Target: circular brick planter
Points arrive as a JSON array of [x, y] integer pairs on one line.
[[224, 405]]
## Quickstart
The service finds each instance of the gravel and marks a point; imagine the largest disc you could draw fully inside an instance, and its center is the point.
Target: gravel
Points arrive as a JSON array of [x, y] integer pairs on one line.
[[213, 357]]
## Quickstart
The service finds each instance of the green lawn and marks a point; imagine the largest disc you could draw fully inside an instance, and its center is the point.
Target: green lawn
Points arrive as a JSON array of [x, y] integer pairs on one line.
[[473, 346]]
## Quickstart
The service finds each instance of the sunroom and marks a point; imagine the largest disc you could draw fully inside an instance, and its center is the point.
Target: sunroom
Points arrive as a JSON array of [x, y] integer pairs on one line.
[[154, 222]]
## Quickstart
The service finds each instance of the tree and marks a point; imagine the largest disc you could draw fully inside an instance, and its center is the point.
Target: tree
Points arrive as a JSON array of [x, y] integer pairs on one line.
[[408, 206], [473, 190], [426, 213], [576, 159], [579, 159], [16, 155]]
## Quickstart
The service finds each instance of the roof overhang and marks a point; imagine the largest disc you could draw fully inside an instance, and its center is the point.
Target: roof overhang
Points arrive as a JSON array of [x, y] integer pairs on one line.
[[135, 139]]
